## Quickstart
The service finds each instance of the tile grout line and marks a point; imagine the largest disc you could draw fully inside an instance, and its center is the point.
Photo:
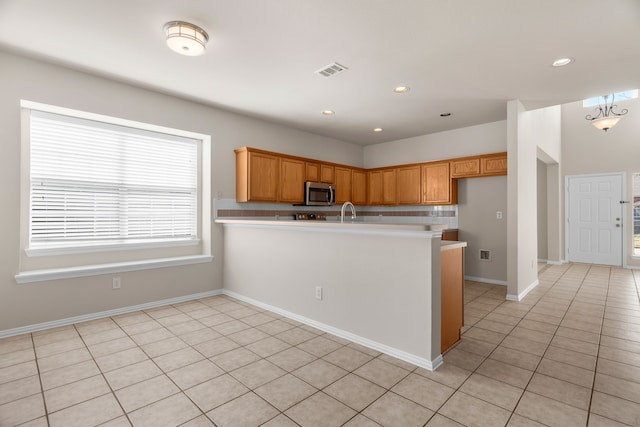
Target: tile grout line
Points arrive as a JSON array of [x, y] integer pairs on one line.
[[554, 335], [44, 401], [547, 346]]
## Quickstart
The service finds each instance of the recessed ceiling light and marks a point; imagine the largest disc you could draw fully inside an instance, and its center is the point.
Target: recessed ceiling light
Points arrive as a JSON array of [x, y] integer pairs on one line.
[[378, 130], [445, 114], [401, 89], [562, 62], [328, 112]]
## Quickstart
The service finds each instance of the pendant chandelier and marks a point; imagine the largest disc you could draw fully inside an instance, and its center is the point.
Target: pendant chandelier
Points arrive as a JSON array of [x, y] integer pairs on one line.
[[606, 117]]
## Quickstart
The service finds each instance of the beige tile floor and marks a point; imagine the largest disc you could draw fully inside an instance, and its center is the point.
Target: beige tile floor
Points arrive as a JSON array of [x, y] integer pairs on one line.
[[567, 355]]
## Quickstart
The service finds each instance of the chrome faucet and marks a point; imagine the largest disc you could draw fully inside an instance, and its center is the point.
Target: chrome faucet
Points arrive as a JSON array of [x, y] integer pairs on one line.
[[353, 211]]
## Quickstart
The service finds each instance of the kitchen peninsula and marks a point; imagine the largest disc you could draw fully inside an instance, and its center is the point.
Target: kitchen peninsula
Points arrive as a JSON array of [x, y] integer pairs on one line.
[[374, 284]]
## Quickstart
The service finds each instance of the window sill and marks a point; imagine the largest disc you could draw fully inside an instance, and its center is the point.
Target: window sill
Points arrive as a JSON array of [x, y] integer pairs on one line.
[[61, 250], [98, 269]]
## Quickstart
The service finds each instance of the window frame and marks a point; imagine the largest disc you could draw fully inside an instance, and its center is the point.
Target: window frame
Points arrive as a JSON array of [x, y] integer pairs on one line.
[[203, 206]]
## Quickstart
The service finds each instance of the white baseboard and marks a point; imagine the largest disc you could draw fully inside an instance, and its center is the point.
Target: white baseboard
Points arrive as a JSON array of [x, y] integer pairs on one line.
[[430, 365], [483, 280], [524, 293], [102, 314], [561, 262]]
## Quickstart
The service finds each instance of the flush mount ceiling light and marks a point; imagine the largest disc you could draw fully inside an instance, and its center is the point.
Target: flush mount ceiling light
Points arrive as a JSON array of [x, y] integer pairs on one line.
[[328, 113], [562, 62], [606, 117], [378, 130], [185, 38], [401, 89]]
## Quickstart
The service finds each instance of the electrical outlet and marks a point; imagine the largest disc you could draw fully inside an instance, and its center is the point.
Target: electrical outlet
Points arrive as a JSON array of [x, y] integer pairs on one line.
[[117, 283], [498, 214], [319, 292]]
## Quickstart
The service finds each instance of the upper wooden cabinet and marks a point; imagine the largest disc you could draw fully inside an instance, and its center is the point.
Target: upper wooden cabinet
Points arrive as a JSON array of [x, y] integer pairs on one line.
[[483, 165], [494, 164], [327, 174], [465, 168], [408, 185], [312, 171], [437, 186], [389, 187], [343, 184], [382, 187], [358, 187], [263, 176], [256, 176], [374, 187], [319, 172], [292, 176]]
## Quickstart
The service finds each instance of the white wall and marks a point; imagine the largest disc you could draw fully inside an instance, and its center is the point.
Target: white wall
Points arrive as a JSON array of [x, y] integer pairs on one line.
[[587, 150], [22, 78], [377, 284], [529, 133], [468, 141]]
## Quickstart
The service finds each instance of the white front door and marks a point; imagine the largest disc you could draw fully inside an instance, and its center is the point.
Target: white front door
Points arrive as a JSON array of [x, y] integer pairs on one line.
[[595, 219]]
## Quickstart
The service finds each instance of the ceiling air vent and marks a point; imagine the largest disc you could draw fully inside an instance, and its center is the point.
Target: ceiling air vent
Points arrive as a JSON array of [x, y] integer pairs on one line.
[[331, 70]]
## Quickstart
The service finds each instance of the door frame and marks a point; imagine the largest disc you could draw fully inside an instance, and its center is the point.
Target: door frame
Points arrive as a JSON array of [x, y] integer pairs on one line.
[[623, 178]]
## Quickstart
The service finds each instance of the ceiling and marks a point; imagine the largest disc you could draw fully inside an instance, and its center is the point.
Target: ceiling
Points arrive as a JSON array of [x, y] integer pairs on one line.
[[464, 57]]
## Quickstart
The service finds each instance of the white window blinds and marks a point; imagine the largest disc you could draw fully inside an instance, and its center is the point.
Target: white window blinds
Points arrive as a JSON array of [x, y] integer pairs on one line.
[[95, 183]]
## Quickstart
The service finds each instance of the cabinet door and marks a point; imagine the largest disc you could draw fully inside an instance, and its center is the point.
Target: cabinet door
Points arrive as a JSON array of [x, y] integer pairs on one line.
[[465, 168], [437, 186], [343, 184], [327, 174], [312, 171], [408, 185], [263, 177], [450, 235], [494, 164], [389, 186], [358, 187], [452, 284], [374, 187], [292, 173]]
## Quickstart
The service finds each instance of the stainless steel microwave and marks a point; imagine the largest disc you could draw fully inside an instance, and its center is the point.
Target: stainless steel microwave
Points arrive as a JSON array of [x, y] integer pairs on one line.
[[319, 194]]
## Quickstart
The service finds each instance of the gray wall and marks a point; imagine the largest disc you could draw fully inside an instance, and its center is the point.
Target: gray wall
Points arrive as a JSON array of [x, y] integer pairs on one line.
[[542, 211], [478, 201], [37, 81]]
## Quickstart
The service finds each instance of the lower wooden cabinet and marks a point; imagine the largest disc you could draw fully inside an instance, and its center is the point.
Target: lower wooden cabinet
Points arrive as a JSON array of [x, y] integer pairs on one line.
[[452, 285], [450, 235]]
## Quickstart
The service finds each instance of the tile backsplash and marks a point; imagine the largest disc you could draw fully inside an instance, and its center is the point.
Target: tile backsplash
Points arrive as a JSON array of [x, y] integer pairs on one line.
[[230, 209]]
